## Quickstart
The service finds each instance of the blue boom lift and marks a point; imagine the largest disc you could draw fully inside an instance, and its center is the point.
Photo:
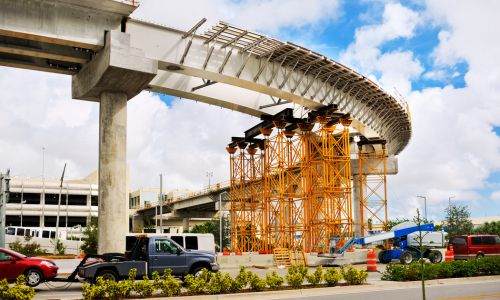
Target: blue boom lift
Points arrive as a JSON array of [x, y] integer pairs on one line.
[[405, 243]]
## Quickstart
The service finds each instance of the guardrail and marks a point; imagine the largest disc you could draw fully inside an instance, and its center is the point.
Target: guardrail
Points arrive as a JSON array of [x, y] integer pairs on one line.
[[213, 188]]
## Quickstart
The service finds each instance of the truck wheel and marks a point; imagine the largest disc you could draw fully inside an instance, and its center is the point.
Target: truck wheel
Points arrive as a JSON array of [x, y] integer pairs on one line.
[[435, 256], [197, 271], [479, 256], [108, 275], [382, 257], [406, 258], [33, 277]]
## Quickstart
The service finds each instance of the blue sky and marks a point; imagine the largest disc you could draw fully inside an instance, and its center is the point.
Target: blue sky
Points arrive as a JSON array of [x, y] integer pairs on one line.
[[438, 54]]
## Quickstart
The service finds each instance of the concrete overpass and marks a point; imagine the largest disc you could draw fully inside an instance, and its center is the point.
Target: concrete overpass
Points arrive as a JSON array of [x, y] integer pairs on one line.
[[204, 204], [112, 58]]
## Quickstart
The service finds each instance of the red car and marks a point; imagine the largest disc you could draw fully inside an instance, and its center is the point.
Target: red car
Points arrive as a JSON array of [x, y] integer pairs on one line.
[[36, 270]]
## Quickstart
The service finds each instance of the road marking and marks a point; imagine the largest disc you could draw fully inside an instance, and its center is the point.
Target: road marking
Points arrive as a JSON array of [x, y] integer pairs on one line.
[[483, 296]]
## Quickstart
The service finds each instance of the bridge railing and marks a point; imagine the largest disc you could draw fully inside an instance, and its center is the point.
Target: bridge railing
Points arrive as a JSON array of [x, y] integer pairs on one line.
[[213, 188]]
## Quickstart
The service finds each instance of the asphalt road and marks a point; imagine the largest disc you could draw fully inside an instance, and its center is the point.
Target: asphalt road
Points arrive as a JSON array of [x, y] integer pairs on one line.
[[456, 291]]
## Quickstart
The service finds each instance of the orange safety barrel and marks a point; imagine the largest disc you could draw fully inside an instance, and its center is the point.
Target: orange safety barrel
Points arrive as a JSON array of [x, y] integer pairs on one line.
[[371, 261], [449, 254]]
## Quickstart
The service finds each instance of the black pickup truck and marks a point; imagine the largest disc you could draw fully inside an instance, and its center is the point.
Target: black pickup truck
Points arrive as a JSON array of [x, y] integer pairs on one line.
[[148, 254]]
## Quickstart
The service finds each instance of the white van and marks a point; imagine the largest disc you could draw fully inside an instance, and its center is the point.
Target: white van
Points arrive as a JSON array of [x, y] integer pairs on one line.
[[189, 241], [36, 232]]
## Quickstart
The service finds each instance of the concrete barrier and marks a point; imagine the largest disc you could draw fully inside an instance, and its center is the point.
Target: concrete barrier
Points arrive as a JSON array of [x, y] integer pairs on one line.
[[249, 259]]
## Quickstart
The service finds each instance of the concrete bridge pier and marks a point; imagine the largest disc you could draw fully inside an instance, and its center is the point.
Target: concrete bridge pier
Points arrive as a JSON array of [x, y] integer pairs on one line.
[[113, 204], [116, 74]]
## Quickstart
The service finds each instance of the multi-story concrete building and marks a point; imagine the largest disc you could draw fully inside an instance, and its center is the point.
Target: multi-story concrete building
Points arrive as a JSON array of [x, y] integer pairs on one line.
[[33, 202]]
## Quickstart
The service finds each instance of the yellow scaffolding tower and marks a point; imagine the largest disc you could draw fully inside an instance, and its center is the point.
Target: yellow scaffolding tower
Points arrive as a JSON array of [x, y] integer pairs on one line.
[[296, 192], [373, 186]]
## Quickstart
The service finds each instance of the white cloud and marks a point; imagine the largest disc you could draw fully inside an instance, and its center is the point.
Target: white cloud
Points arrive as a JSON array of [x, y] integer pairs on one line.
[[183, 141], [269, 16], [495, 196], [37, 111], [453, 149], [396, 68], [436, 75]]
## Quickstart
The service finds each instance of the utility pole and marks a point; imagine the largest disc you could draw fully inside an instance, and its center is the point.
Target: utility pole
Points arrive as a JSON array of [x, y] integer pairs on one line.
[[59, 210], [22, 202], [4, 198], [161, 203], [449, 202], [425, 206], [209, 175], [67, 196], [220, 221]]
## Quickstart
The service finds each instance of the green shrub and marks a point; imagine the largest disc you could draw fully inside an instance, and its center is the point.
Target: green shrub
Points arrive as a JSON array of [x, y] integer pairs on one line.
[[90, 234], [110, 289], [353, 276], [273, 280], [19, 291], [220, 284], [227, 283], [59, 245], [167, 283], [257, 283], [451, 269], [395, 272], [332, 276], [97, 291], [488, 266], [242, 279], [197, 285], [295, 276], [27, 248], [214, 286], [315, 278], [144, 287]]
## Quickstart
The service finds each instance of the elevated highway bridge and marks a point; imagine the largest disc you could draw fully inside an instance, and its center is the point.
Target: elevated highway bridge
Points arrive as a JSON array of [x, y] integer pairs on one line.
[[206, 204], [112, 57]]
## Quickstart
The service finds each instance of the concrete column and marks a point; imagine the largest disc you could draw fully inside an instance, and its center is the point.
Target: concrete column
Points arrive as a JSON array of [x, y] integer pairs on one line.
[[113, 206], [185, 224], [356, 210]]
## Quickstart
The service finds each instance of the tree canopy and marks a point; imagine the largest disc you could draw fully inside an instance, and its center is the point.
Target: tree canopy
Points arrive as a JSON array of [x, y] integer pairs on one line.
[[488, 228], [457, 220]]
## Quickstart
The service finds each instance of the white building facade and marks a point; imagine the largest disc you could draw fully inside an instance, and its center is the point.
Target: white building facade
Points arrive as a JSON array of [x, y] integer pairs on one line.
[[33, 202]]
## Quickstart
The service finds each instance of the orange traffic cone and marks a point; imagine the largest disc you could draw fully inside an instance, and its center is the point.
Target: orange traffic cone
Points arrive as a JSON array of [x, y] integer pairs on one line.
[[449, 255], [371, 261]]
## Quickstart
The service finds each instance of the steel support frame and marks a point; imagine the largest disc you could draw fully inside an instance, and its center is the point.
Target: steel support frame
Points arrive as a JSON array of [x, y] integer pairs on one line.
[[373, 189]]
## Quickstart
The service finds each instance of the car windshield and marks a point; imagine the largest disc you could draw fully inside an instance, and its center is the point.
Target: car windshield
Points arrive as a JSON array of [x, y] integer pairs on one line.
[[14, 252]]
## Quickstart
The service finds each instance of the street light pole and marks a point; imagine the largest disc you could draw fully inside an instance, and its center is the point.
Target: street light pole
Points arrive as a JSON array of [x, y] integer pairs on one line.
[[220, 221], [449, 201], [161, 203], [59, 209], [22, 202], [4, 198], [209, 174], [425, 205]]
